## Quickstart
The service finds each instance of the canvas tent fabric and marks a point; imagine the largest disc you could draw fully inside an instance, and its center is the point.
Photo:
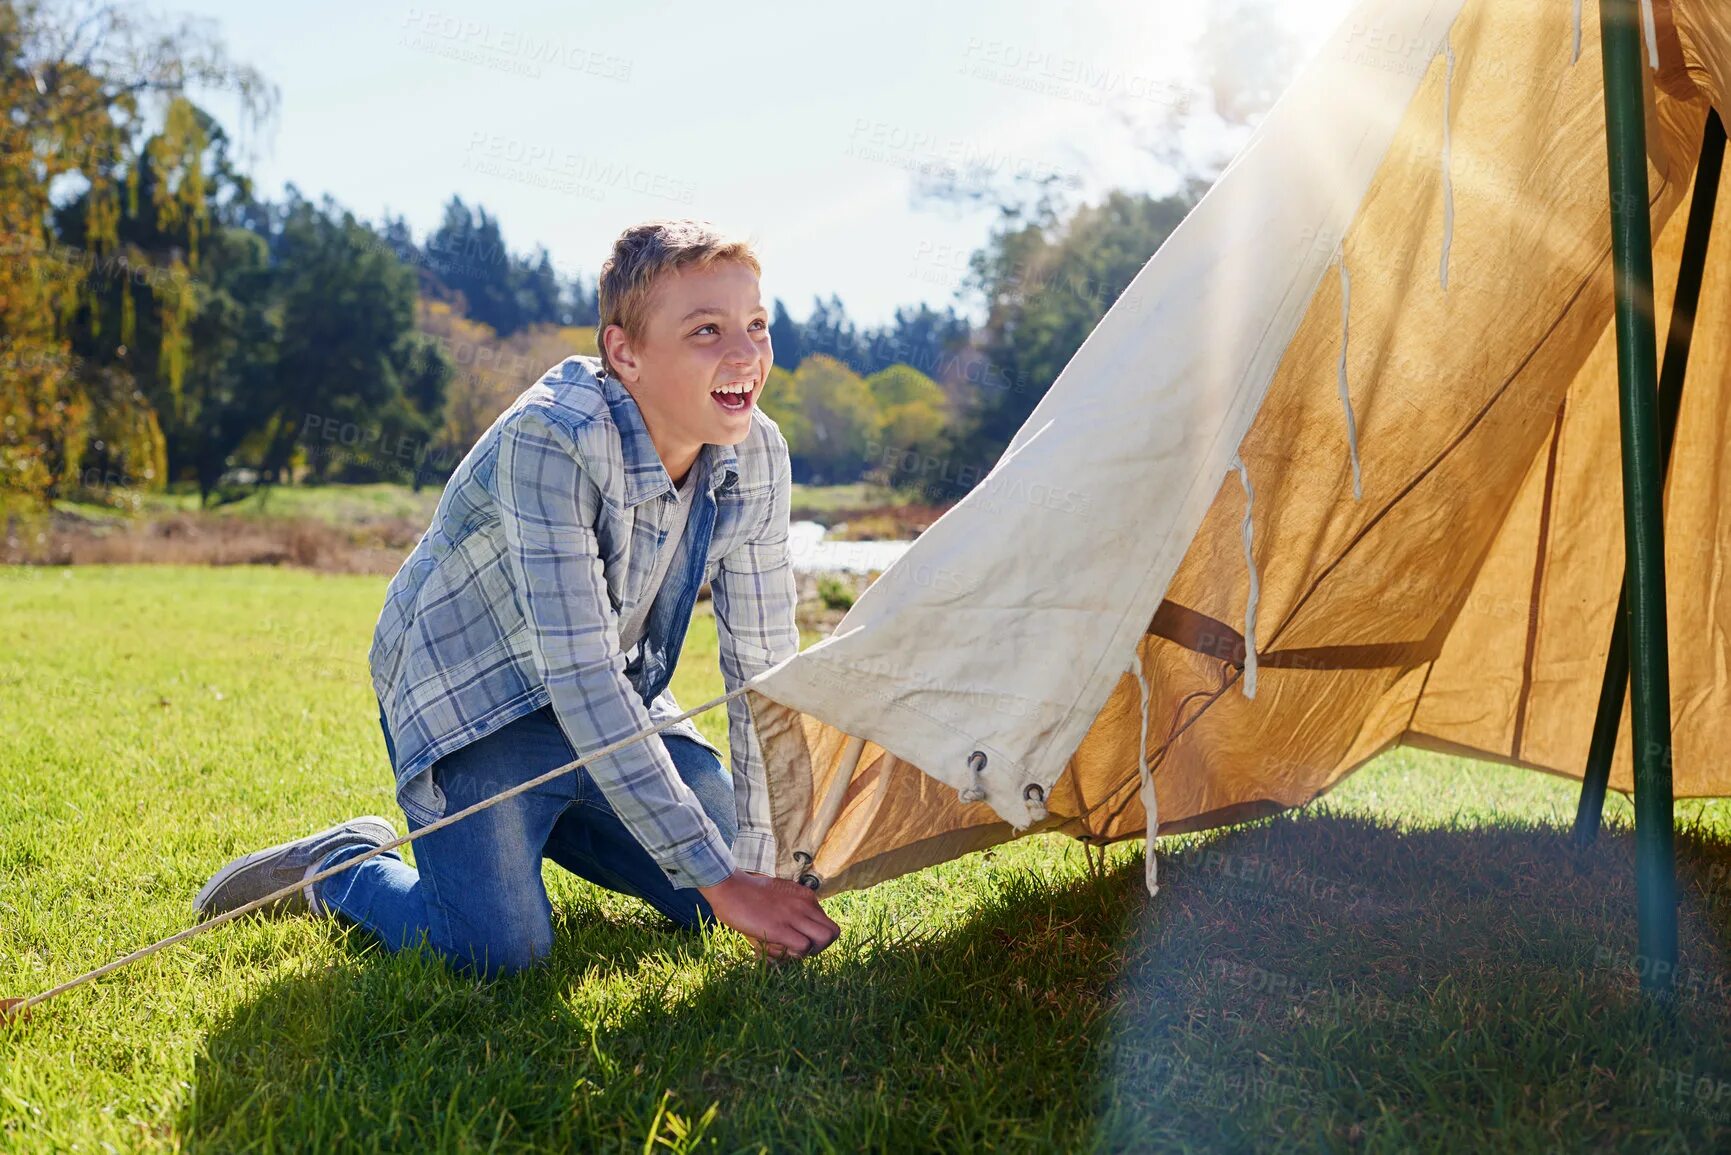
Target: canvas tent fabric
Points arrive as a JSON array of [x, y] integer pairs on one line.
[[1405, 275]]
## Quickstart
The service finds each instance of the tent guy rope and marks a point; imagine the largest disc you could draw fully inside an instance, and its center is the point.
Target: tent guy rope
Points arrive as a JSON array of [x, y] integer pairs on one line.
[[14, 1010]]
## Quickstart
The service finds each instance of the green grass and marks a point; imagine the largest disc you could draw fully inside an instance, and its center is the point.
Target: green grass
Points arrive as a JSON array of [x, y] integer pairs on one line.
[[341, 504], [1417, 961], [810, 500], [338, 504]]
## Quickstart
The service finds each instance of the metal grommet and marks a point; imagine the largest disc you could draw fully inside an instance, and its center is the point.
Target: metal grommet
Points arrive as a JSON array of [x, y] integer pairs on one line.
[[810, 881], [1035, 796], [801, 857], [976, 766]]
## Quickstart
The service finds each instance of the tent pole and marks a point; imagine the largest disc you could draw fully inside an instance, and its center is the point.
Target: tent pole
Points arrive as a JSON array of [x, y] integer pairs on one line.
[[1643, 497], [1674, 367]]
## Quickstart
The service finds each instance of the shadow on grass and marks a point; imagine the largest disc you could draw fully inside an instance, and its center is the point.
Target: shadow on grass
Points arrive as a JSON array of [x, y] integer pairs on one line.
[[1313, 982]]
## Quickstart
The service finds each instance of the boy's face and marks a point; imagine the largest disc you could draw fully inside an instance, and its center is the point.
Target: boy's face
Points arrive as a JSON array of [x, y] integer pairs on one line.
[[706, 332]]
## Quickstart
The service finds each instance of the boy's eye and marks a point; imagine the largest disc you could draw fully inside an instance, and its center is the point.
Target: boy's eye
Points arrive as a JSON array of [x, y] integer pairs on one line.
[[711, 325]]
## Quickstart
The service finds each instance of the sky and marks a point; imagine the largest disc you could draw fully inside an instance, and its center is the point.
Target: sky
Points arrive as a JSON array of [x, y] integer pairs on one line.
[[799, 125]]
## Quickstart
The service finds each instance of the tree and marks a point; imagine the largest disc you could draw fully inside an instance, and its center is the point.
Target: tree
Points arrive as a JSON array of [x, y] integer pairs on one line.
[[784, 337], [348, 308], [79, 83], [830, 333], [782, 403], [468, 255], [911, 419], [1044, 293], [923, 339], [842, 417], [488, 372], [197, 348], [230, 387]]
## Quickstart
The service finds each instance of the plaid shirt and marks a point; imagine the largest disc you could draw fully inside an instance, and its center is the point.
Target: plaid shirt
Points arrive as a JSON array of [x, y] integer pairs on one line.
[[543, 541]]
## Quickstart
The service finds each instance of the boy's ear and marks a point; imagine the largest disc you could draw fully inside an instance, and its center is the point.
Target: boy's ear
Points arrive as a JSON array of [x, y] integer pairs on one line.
[[617, 345]]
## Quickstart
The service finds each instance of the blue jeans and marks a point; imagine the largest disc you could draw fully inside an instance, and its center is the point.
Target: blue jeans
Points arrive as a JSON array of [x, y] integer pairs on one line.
[[477, 895]]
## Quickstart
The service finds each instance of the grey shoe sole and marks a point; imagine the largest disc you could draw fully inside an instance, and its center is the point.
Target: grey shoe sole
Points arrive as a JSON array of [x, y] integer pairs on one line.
[[379, 830]]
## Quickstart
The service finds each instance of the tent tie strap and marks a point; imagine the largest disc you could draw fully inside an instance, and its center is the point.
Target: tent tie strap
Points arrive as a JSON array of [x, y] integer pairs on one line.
[[1340, 383], [1448, 183], [1255, 591], [1151, 805]]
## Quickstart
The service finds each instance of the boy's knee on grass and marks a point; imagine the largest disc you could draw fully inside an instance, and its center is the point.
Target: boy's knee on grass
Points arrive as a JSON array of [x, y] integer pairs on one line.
[[497, 960]]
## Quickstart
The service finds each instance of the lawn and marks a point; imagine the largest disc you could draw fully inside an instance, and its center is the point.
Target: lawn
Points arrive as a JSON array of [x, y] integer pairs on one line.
[[1419, 960], [333, 503], [385, 500]]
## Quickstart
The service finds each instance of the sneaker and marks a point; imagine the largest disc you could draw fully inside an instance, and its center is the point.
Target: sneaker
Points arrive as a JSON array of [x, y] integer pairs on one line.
[[252, 876]]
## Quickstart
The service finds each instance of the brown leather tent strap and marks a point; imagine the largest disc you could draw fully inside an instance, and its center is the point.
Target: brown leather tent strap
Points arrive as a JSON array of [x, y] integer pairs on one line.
[[1213, 638]]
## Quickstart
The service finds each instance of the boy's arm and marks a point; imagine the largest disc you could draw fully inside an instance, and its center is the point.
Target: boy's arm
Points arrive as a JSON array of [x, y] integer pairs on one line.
[[754, 597], [548, 506]]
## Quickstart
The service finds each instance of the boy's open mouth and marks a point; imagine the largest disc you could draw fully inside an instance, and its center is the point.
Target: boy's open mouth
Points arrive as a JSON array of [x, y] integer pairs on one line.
[[736, 397]]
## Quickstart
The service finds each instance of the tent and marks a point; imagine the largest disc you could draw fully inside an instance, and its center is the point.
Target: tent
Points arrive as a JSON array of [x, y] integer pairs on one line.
[[1337, 471]]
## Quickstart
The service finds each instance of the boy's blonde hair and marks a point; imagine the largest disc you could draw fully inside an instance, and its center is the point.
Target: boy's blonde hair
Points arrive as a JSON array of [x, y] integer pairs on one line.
[[642, 254]]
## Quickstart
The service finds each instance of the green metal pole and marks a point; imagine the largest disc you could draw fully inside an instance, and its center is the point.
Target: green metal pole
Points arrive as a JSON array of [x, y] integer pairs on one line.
[[1674, 368], [1643, 493]]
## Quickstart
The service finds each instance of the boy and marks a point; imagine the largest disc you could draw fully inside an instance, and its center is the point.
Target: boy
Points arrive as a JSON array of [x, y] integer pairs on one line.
[[540, 618]]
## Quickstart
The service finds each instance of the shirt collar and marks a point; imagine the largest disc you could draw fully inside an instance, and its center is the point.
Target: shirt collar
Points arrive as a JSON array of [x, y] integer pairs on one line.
[[645, 475]]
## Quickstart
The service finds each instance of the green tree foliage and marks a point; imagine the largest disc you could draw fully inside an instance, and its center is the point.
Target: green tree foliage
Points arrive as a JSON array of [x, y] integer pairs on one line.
[[829, 416], [783, 403], [830, 332], [784, 336], [79, 83], [1045, 290], [184, 318], [920, 337], [361, 392], [507, 292], [904, 410], [911, 421], [229, 388]]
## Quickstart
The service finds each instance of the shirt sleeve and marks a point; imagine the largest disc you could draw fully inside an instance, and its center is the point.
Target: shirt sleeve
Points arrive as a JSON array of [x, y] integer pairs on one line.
[[754, 597], [548, 505]]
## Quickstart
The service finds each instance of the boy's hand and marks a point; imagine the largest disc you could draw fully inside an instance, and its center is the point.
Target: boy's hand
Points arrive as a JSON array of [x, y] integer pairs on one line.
[[782, 918]]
